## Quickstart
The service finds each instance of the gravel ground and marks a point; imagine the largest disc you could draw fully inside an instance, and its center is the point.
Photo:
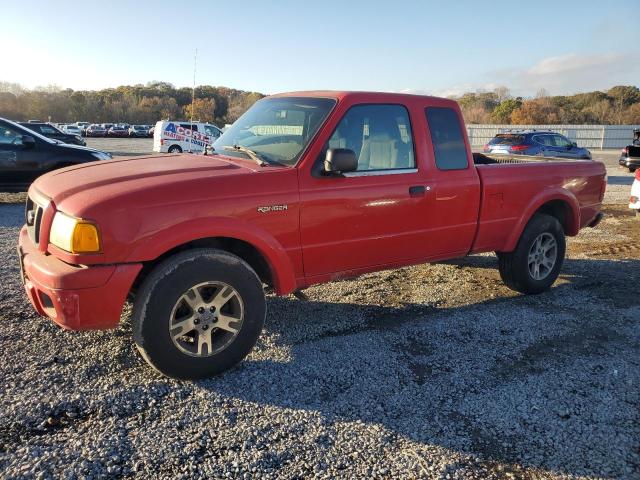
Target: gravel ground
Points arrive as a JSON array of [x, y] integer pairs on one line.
[[435, 371], [121, 146]]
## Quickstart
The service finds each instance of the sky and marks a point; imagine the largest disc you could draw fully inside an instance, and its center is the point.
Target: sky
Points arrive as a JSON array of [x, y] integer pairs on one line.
[[433, 47]]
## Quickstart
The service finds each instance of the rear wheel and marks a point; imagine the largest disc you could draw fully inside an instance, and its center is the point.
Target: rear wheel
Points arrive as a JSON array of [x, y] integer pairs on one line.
[[632, 169], [198, 313], [536, 262], [175, 149]]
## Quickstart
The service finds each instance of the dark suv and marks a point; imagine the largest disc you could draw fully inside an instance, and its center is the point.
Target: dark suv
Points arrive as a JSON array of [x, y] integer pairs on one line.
[[536, 142], [49, 131], [26, 154]]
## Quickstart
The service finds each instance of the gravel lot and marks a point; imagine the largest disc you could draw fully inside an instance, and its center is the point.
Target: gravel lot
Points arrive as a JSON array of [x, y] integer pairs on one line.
[[121, 146], [436, 371]]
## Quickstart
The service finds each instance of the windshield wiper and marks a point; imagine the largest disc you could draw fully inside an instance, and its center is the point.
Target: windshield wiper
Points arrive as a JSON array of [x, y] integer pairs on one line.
[[250, 153]]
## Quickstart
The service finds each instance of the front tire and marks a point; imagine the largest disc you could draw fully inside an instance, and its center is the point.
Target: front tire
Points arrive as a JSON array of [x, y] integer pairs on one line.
[[198, 313], [175, 149], [536, 262]]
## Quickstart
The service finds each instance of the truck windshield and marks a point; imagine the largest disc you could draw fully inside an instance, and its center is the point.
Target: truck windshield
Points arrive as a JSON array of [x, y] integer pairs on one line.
[[277, 129]]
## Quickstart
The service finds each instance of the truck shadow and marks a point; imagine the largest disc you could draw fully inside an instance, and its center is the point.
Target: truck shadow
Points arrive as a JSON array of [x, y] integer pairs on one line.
[[514, 381]]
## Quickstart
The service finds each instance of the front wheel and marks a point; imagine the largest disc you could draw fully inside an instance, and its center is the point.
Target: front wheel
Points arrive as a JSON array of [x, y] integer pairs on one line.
[[175, 149], [536, 262], [198, 313]]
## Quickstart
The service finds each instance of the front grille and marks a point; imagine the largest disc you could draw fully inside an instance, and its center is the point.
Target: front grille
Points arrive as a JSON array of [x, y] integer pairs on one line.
[[33, 218]]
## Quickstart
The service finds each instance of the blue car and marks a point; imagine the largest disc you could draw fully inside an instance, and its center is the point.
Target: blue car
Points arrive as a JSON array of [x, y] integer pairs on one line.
[[536, 142]]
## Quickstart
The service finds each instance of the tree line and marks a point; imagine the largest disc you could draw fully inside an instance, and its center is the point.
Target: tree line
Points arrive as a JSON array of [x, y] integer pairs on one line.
[[619, 105], [148, 103], [137, 104]]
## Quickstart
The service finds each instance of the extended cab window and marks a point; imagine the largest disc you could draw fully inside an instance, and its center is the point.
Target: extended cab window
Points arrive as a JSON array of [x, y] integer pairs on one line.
[[446, 136], [380, 136]]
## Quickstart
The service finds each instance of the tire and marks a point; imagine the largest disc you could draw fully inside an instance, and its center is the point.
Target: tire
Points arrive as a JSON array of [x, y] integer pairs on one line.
[[632, 169], [175, 149], [174, 311], [515, 268]]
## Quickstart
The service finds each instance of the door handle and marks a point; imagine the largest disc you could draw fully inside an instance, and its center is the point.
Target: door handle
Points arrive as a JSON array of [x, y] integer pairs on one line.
[[418, 190]]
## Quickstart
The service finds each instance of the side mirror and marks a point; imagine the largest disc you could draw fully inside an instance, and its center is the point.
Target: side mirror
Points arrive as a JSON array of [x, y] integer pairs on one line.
[[28, 142], [574, 145], [340, 160]]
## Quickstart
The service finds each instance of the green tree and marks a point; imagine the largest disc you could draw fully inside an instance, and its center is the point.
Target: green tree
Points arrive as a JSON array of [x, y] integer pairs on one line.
[[502, 113]]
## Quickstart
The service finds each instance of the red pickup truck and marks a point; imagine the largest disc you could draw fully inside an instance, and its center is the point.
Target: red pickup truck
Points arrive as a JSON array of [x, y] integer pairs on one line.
[[304, 188]]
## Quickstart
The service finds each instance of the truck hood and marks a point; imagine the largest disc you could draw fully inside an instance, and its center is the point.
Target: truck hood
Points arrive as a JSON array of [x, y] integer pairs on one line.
[[75, 189]]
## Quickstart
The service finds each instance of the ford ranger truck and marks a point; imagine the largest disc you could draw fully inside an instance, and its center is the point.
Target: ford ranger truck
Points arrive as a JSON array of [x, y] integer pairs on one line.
[[304, 188]]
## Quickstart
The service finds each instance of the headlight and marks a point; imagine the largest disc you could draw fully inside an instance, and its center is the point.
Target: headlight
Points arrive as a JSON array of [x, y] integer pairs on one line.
[[74, 235]]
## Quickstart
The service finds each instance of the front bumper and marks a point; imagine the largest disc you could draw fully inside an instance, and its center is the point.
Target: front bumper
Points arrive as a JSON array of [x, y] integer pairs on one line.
[[73, 296]]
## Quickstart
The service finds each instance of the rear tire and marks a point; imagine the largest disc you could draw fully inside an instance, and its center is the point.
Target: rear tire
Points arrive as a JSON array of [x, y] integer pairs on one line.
[[198, 313], [535, 263], [632, 169], [175, 149]]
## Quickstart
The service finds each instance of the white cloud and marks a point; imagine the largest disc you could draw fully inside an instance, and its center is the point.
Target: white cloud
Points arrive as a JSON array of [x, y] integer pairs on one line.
[[454, 90], [571, 73], [558, 75]]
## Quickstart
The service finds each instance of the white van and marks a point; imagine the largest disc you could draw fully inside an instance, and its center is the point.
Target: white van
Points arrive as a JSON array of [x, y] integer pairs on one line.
[[175, 137]]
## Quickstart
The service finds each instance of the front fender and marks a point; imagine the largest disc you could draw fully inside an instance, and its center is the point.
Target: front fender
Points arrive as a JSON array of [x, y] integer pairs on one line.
[[167, 239], [546, 196]]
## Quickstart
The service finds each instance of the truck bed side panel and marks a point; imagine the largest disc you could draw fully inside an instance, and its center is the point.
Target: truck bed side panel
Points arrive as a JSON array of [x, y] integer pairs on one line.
[[512, 193]]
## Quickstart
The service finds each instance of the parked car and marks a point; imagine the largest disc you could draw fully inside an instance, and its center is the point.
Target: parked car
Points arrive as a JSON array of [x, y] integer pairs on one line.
[[82, 126], [26, 154], [138, 131], [117, 131], [107, 126], [536, 142], [630, 156], [177, 137], [95, 130], [634, 198], [72, 129], [304, 188], [52, 132]]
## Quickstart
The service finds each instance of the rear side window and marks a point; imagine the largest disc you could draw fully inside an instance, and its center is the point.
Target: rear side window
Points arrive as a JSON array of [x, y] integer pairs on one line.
[[447, 139], [545, 140], [560, 141], [189, 126], [50, 130]]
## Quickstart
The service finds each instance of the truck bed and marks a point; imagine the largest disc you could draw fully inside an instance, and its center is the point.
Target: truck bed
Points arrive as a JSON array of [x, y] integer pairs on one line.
[[509, 183]]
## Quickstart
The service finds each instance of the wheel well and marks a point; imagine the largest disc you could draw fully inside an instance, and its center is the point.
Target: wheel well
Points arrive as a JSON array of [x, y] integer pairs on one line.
[[560, 210], [242, 249]]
